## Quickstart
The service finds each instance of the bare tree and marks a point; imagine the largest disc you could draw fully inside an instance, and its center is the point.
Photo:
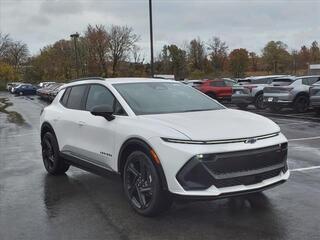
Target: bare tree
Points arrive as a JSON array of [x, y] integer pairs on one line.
[[17, 54], [121, 41], [97, 40], [5, 42], [218, 54]]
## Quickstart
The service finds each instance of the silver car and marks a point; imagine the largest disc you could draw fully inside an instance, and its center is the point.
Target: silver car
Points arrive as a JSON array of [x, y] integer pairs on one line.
[[290, 92], [315, 96], [250, 91]]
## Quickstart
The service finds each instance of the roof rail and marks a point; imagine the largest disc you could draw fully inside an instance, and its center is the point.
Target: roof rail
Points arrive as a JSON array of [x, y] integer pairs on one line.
[[87, 78]]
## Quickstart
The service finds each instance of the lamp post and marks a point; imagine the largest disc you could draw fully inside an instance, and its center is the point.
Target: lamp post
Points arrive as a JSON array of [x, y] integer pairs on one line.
[[75, 36], [151, 38]]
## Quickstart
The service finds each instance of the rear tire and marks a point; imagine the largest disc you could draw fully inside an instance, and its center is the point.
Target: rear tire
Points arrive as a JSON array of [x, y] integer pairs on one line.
[[52, 161], [20, 93], [258, 103], [142, 185], [301, 104]]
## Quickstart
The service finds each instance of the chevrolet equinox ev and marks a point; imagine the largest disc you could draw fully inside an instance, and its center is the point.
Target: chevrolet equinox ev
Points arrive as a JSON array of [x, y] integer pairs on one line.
[[165, 139]]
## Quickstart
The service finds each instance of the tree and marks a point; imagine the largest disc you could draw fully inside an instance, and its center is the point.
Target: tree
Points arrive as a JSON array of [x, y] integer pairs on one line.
[[97, 41], [218, 54], [238, 62], [136, 54], [276, 56], [17, 54], [196, 54], [304, 57], [314, 52], [121, 41], [253, 58], [178, 59], [7, 73], [5, 42]]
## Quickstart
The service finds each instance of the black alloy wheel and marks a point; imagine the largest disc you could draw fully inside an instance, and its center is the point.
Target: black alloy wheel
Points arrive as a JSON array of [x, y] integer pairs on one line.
[[53, 163], [259, 104], [142, 185], [301, 104]]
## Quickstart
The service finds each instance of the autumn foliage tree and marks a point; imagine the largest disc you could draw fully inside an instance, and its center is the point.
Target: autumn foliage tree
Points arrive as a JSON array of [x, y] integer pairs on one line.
[[238, 62]]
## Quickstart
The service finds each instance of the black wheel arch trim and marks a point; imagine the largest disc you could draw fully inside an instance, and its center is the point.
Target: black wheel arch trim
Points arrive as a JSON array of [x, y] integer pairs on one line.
[[47, 126], [147, 148], [301, 94]]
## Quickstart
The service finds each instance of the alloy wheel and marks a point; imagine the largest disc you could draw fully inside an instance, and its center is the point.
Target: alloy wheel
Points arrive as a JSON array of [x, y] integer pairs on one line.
[[139, 184], [48, 153]]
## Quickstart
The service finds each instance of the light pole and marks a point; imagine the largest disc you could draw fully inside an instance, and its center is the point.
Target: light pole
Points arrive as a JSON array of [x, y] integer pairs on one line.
[[75, 36], [151, 38]]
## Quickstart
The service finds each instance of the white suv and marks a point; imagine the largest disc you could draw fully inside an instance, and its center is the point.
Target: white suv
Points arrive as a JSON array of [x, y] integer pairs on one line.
[[166, 140]]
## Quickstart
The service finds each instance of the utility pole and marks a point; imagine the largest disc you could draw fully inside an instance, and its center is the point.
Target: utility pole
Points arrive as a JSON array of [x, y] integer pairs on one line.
[[151, 38], [75, 37]]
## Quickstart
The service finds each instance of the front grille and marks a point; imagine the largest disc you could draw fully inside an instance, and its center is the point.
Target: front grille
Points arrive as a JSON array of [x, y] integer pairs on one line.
[[233, 168], [246, 161]]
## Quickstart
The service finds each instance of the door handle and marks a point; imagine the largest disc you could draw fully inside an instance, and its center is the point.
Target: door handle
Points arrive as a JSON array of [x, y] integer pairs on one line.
[[81, 123]]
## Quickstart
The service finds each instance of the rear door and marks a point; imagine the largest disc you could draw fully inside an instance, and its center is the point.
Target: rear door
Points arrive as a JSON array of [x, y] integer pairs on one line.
[[70, 119]]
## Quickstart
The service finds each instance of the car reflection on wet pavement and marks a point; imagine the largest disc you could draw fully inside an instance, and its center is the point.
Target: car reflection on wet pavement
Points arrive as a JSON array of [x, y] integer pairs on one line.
[[81, 205]]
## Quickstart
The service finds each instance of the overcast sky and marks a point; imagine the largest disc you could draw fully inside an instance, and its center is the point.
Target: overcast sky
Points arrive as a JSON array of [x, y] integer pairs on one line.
[[247, 24]]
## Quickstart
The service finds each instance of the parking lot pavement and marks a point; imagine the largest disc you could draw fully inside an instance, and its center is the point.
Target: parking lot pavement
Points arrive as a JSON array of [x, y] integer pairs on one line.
[[80, 205]]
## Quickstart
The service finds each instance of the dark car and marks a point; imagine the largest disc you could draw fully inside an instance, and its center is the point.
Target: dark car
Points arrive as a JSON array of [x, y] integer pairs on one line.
[[25, 89], [220, 89]]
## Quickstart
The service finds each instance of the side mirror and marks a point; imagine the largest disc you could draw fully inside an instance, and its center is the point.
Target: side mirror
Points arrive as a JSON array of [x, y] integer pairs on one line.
[[105, 111]]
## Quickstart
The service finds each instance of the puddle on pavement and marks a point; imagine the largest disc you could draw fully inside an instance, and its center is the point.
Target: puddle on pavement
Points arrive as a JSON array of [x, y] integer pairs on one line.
[[12, 116]]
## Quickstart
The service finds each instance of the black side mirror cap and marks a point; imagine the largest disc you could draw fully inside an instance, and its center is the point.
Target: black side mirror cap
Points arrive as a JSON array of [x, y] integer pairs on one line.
[[105, 111]]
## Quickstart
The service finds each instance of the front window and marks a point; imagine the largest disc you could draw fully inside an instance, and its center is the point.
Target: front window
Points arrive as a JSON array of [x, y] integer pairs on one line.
[[159, 97]]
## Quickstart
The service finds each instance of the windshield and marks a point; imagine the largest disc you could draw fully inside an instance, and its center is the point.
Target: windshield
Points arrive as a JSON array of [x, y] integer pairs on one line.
[[159, 97]]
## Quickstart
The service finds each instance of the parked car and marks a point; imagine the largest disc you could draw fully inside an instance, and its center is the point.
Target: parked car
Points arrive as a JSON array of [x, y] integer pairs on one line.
[[193, 83], [315, 96], [250, 91], [220, 89], [24, 89], [54, 91], [12, 85], [294, 93], [44, 92], [45, 84], [164, 139]]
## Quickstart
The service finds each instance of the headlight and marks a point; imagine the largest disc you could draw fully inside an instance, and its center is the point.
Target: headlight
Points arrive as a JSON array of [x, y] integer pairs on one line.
[[173, 140]]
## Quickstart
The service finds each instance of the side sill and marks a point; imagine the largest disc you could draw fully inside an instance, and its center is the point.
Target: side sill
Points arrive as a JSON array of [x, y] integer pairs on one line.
[[90, 167]]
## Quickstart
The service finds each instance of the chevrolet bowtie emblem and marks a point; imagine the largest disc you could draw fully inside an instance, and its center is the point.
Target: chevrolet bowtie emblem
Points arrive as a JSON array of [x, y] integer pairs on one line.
[[250, 140]]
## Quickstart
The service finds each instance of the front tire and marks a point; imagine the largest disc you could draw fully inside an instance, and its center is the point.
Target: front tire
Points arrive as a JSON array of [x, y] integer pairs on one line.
[[142, 185], [53, 163], [301, 104], [258, 103]]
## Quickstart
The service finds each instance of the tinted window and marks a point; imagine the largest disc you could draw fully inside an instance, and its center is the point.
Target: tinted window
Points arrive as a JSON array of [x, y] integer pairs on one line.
[[160, 97], [75, 97], [99, 95], [217, 84], [65, 96]]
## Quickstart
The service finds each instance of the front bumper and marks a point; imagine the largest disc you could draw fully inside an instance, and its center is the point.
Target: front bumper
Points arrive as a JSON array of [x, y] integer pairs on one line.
[[177, 161]]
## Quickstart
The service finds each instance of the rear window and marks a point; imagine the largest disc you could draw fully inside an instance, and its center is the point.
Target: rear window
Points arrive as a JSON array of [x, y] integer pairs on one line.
[[282, 81], [75, 97]]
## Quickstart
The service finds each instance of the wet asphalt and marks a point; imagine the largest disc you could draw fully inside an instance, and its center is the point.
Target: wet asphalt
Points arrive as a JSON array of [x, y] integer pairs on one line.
[[81, 205]]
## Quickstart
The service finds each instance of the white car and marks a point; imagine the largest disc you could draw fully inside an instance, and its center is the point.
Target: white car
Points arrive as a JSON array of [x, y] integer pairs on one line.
[[166, 140]]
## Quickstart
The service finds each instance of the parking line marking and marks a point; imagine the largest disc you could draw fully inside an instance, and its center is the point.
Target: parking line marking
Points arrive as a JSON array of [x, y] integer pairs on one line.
[[304, 169], [302, 139], [293, 123]]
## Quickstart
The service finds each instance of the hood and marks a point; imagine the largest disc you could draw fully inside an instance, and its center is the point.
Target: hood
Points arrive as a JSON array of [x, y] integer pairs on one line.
[[216, 125]]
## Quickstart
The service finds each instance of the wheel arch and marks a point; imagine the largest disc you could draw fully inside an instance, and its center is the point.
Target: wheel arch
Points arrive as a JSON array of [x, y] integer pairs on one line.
[[134, 144], [46, 127], [301, 94]]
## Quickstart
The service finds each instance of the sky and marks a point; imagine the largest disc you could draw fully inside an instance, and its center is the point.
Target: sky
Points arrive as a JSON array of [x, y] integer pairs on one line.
[[240, 23]]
